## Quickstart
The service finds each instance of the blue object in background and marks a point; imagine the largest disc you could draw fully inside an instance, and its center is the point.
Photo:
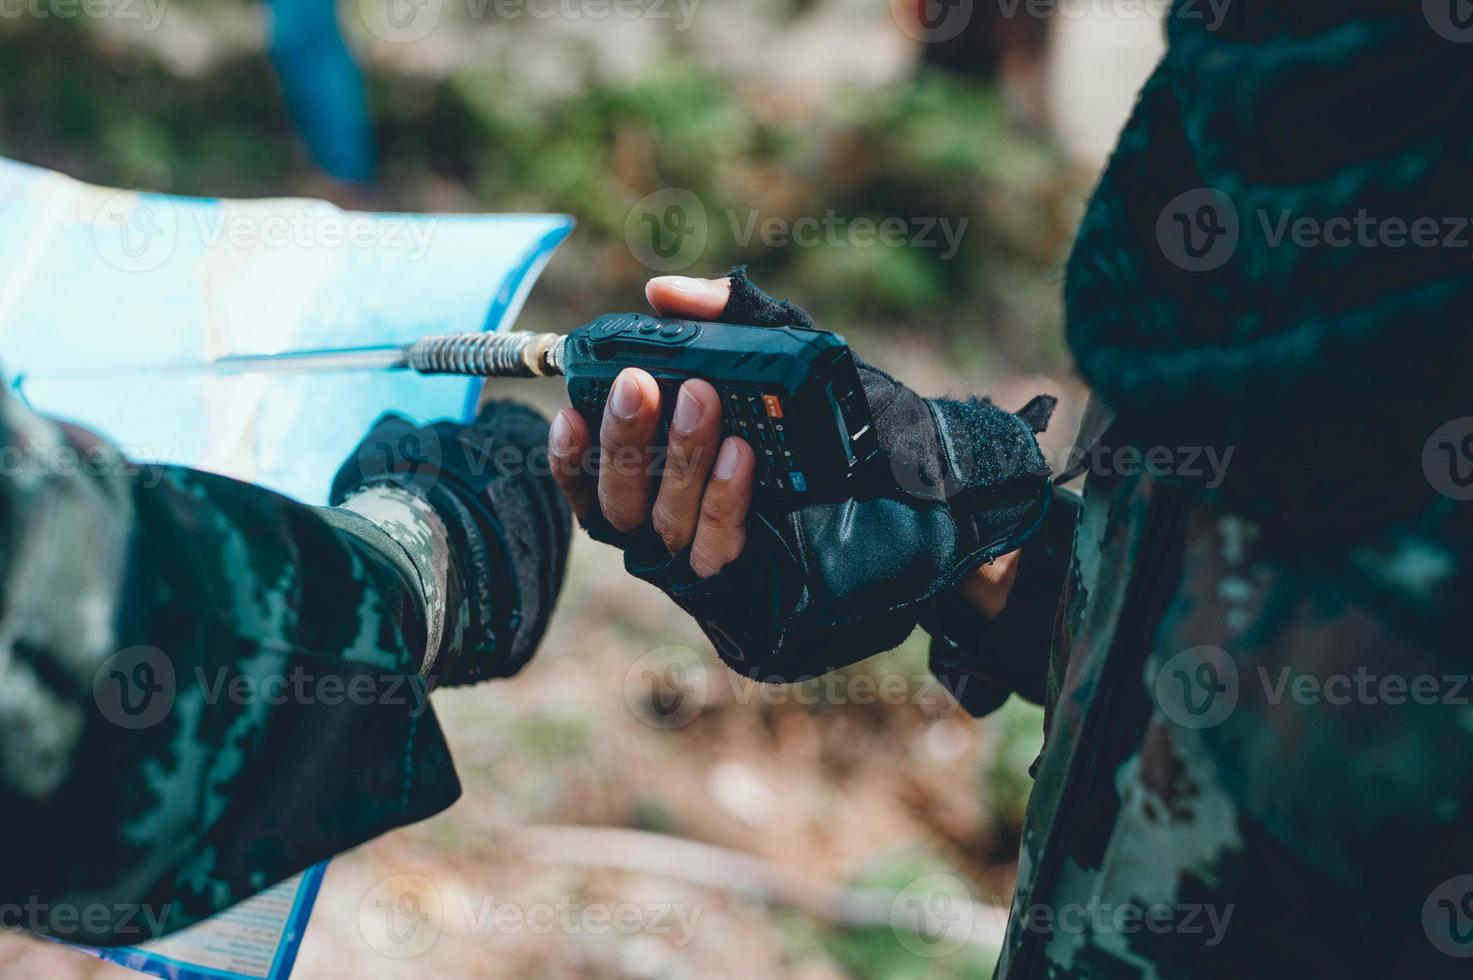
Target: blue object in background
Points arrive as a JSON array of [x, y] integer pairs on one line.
[[324, 87]]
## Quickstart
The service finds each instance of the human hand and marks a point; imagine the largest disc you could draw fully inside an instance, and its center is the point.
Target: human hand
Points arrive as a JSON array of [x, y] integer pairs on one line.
[[701, 498], [789, 594]]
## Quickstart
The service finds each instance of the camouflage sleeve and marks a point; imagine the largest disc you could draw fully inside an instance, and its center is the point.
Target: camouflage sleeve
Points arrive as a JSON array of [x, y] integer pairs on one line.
[[204, 687]]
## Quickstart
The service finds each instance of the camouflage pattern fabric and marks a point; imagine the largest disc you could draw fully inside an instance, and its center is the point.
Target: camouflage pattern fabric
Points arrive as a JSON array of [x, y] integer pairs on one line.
[[1258, 689], [204, 687]]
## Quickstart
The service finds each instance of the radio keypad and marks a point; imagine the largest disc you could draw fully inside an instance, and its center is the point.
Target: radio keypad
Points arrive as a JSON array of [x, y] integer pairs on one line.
[[758, 418]]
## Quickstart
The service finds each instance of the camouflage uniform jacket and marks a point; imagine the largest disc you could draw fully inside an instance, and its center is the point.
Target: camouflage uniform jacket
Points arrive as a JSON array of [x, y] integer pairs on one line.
[[204, 687], [1257, 681]]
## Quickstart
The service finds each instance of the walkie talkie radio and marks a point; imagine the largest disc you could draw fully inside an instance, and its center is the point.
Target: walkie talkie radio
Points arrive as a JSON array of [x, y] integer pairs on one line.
[[793, 393]]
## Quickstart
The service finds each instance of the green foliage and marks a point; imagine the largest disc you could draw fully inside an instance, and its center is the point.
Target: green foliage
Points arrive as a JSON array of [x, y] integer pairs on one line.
[[879, 954], [933, 149], [1017, 731], [551, 736]]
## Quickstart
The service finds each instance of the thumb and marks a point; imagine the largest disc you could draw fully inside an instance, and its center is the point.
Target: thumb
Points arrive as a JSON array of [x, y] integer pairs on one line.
[[695, 299]]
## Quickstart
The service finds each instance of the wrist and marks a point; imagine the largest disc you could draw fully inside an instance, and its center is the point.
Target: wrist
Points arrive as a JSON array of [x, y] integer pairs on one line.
[[493, 571], [987, 589]]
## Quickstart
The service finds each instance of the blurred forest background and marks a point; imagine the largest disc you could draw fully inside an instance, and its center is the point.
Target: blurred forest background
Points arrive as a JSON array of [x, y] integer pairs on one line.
[[777, 108]]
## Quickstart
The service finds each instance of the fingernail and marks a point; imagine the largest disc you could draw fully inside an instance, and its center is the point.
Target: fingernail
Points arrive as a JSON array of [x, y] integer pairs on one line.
[[727, 459], [626, 399], [684, 284], [562, 432], [688, 412]]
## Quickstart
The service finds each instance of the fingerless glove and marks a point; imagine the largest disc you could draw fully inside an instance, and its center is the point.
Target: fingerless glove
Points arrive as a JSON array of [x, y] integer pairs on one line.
[[829, 584]]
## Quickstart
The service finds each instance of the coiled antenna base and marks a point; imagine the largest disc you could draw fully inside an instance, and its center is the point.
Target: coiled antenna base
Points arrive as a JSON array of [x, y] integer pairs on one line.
[[519, 354]]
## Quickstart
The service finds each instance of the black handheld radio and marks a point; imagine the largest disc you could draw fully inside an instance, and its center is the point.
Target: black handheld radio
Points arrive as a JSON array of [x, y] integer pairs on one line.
[[793, 393]]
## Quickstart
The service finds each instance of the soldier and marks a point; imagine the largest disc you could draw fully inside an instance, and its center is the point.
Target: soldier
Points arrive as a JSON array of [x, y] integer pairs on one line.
[[208, 687], [1256, 679]]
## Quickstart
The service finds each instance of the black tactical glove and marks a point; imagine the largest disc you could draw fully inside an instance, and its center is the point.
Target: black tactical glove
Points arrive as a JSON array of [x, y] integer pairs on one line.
[[832, 583], [507, 525]]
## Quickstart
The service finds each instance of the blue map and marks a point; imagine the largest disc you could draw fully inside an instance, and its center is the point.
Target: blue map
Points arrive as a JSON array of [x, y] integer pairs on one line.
[[106, 294]]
